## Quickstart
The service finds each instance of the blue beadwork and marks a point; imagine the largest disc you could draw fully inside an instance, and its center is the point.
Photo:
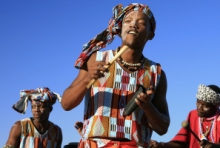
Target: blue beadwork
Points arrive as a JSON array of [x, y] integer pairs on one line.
[[202, 135]]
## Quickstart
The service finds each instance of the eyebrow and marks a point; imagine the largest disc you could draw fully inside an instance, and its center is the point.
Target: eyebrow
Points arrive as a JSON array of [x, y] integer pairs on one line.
[[137, 19]]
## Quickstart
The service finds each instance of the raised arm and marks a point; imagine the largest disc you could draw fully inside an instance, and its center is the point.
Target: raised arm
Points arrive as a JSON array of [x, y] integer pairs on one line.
[[15, 135], [74, 94], [156, 110]]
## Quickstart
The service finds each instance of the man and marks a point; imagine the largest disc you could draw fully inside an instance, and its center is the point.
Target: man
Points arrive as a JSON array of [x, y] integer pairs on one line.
[[104, 124], [204, 122], [35, 132]]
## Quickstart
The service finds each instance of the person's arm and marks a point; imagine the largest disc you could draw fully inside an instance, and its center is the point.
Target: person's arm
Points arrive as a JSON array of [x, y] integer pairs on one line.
[[59, 142], [74, 94], [156, 110], [15, 135], [207, 144], [171, 144]]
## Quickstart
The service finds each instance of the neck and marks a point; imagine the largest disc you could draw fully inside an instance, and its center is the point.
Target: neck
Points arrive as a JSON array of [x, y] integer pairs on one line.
[[212, 115], [132, 55], [216, 111], [42, 126]]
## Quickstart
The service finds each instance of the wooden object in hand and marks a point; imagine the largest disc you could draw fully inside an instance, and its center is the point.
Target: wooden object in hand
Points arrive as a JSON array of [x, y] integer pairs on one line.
[[122, 50]]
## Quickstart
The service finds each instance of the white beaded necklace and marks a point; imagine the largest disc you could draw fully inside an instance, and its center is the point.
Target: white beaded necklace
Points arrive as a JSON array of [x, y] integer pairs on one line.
[[128, 64]]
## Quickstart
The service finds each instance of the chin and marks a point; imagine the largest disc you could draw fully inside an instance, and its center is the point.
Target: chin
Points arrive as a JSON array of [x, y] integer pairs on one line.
[[132, 45], [37, 120], [131, 42], [201, 114]]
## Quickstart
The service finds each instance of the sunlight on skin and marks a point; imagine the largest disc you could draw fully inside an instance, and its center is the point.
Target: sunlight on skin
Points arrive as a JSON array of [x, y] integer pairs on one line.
[[127, 25], [204, 108], [164, 118]]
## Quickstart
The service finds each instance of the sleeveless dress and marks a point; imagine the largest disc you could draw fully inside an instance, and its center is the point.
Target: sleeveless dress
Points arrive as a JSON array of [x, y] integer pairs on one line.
[[31, 138], [106, 99]]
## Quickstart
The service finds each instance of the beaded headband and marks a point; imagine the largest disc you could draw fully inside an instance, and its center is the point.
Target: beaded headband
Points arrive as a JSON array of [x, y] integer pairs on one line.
[[208, 95]]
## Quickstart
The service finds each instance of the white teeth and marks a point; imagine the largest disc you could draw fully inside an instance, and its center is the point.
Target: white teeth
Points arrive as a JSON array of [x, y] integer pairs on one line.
[[132, 32]]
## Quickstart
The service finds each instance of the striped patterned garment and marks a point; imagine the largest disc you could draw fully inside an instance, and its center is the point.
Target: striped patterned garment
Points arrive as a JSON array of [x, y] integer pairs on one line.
[[31, 138], [106, 99]]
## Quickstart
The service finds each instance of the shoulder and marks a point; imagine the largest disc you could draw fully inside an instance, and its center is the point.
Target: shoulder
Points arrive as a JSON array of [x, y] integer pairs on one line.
[[15, 134], [17, 124], [57, 128], [150, 62], [91, 59], [193, 112], [154, 67], [22, 123], [16, 129], [162, 81], [192, 115], [25, 120], [58, 131]]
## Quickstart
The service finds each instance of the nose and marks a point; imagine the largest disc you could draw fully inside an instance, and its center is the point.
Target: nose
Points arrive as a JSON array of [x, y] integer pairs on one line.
[[133, 24]]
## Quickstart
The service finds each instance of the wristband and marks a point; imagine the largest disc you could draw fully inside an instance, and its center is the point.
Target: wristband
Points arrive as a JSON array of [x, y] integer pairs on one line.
[[8, 146]]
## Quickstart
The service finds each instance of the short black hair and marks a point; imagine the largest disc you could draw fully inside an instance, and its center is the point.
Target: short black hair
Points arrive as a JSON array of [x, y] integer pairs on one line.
[[214, 88]]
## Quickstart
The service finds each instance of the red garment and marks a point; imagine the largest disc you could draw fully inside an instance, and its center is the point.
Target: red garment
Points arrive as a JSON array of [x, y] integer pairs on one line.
[[185, 136]]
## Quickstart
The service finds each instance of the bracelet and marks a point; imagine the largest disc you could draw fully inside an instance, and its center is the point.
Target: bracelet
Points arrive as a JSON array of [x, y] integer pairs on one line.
[[162, 144], [8, 146]]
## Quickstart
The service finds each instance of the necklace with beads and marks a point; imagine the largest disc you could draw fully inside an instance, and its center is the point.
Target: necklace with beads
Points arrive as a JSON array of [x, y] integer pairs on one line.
[[208, 128], [204, 135], [131, 67], [212, 128]]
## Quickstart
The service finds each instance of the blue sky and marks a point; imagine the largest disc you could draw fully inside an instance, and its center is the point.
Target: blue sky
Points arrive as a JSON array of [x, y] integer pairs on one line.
[[41, 40]]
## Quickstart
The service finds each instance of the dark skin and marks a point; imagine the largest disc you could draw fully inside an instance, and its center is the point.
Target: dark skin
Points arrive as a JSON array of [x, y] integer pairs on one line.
[[40, 119], [171, 144], [79, 126], [204, 110], [136, 31]]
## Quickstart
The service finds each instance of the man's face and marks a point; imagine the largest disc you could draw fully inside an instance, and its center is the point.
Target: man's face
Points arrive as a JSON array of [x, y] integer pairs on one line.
[[205, 109], [136, 29], [40, 112]]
